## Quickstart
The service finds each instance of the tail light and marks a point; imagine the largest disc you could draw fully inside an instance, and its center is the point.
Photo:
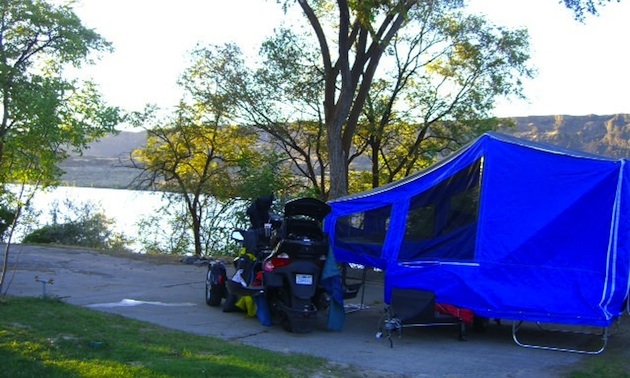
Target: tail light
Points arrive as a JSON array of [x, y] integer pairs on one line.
[[322, 261], [278, 261]]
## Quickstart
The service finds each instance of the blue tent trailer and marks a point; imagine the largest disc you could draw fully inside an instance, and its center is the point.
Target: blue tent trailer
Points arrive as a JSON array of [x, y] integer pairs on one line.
[[507, 228]]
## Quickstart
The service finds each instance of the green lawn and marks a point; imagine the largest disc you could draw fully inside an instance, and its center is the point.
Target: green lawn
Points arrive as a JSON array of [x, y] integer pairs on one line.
[[49, 338]]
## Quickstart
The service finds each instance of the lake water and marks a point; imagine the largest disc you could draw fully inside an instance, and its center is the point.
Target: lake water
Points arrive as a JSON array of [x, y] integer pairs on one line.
[[125, 207]]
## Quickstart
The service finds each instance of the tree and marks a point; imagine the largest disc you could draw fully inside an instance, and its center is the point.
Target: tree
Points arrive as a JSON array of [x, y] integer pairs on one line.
[[582, 7], [197, 156], [448, 70], [446, 67], [363, 30], [44, 115], [198, 164], [264, 99], [282, 99]]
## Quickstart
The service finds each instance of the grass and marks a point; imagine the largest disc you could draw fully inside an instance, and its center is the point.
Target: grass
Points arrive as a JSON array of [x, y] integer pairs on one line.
[[614, 362], [49, 338]]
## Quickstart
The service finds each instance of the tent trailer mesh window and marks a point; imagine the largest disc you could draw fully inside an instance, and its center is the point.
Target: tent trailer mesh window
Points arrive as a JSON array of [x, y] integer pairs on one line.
[[366, 230], [420, 223], [463, 210], [441, 221]]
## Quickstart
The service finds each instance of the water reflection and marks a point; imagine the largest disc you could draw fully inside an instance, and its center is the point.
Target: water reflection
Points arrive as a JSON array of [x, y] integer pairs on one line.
[[125, 207]]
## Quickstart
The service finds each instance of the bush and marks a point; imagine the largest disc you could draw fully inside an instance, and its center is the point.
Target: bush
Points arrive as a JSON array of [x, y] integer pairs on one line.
[[6, 219], [85, 229]]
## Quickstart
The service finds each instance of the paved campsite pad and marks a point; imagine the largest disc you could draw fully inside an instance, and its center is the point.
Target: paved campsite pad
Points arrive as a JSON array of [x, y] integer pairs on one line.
[[172, 295]]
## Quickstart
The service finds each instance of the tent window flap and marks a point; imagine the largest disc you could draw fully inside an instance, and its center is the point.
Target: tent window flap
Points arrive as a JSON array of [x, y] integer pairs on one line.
[[364, 232], [441, 220]]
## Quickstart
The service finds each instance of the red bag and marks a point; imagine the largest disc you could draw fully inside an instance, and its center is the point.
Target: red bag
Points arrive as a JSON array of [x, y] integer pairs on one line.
[[446, 309]]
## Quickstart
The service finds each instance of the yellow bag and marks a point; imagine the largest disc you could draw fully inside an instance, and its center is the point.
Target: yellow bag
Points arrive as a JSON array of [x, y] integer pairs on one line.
[[247, 304]]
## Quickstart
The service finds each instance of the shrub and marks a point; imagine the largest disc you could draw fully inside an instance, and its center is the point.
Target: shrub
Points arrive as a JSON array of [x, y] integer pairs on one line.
[[83, 227], [6, 219]]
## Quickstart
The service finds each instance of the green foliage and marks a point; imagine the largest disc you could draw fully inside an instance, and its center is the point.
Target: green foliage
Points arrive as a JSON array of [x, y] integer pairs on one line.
[[283, 99], [202, 168], [413, 81], [157, 238], [44, 114], [263, 174], [202, 161], [7, 216], [170, 230], [450, 69], [78, 225]]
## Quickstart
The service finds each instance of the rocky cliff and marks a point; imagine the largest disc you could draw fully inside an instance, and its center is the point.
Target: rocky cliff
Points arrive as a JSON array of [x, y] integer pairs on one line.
[[607, 135]]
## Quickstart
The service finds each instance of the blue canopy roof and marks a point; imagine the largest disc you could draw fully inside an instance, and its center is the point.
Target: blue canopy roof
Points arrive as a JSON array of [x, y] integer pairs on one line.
[[508, 228]]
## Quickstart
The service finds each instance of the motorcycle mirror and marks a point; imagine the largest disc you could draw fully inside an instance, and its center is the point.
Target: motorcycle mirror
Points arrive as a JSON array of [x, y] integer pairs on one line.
[[237, 235]]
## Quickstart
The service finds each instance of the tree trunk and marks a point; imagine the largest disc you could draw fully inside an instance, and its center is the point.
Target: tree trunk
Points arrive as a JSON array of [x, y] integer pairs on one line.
[[7, 246], [196, 226], [338, 163], [376, 146]]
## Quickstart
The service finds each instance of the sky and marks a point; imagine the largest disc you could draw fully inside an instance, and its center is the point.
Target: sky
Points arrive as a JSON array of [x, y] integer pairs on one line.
[[582, 68]]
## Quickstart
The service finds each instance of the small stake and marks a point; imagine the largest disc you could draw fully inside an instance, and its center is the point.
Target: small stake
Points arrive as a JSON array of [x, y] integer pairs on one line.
[[44, 283]]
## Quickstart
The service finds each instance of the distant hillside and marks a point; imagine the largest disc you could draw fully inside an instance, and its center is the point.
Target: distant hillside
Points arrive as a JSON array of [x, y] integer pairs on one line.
[[607, 135], [104, 163], [114, 146]]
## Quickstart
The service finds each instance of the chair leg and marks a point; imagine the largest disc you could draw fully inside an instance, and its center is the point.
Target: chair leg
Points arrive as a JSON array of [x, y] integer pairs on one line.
[[462, 331]]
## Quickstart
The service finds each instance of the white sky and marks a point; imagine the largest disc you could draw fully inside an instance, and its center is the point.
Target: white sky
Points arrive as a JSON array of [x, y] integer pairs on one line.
[[582, 68]]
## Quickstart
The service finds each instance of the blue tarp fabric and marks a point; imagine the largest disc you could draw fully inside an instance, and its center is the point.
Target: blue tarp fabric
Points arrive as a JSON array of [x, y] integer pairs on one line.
[[508, 228], [331, 281]]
